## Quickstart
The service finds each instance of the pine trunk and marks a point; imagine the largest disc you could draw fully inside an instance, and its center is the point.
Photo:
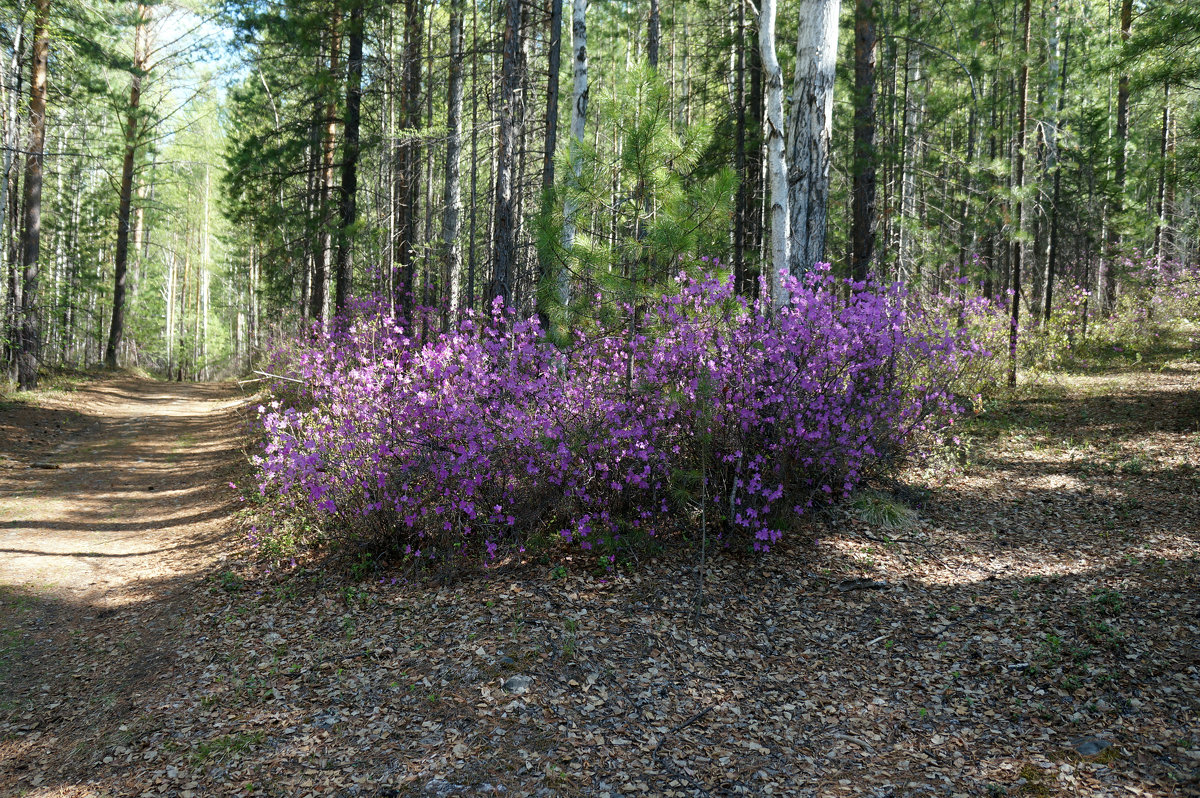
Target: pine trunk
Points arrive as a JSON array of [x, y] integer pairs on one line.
[[407, 167], [348, 190], [862, 234], [1052, 165], [1106, 285], [1019, 184], [124, 201], [452, 193], [29, 356], [504, 244], [810, 127]]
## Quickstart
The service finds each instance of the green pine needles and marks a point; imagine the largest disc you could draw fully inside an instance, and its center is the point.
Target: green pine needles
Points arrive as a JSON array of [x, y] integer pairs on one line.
[[639, 203]]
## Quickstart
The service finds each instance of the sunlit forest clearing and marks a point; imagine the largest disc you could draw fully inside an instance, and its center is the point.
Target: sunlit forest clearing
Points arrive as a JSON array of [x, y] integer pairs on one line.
[[620, 398]]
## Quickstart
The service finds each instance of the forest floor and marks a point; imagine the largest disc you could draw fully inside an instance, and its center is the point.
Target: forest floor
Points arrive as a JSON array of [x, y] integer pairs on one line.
[[1034, 631]]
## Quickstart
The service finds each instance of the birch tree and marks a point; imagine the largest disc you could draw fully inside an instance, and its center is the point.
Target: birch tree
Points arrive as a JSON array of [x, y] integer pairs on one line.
[[579, 108], [777, 172]]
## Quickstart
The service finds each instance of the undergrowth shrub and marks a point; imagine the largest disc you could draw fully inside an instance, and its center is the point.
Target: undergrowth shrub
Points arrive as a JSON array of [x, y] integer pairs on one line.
[[697, 401]]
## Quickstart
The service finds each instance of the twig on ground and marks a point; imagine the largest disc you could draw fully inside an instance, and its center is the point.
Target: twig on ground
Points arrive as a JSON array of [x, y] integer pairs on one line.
[[684, 725], [855, 740]]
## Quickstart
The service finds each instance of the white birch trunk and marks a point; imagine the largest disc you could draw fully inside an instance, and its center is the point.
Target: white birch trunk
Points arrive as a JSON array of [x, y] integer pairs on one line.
[[9, 141], [776, 159], [810, 127], [579, 104]]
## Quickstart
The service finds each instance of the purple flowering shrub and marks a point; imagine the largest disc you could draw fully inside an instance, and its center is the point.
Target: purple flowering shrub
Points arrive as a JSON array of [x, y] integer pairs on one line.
[[487, 435]]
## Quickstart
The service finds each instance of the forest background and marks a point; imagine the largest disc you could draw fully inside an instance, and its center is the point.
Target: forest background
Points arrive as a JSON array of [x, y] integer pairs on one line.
[[183, 181]]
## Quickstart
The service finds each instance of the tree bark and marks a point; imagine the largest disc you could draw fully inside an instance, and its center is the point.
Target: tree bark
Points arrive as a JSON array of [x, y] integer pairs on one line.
[[471, 233], [1105, 277], [348, 190], [324, 242], [742, 211], [10, 208], [862, 234], [545, 254], [912, 125], [121, 255], [1052, 165], [9, 139], [1160, 214], [810, 127], [579, 107], [407, 157], [452, 193], [29, 356], [504, 245], [1019, 184], [780, 219], [653, 36]]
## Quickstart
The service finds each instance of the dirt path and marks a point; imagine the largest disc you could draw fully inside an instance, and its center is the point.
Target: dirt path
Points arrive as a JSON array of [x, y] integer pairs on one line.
[[113, 502]]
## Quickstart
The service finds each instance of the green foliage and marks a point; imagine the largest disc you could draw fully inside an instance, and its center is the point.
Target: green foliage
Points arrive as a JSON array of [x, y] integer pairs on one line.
[[884, 511], [643, 203], [228, 745]]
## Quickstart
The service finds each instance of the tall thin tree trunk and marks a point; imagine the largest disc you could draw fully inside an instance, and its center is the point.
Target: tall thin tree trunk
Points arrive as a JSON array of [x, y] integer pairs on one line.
[[776, 157], [181, 318], [169, 296], [8, 144], [27, 361], [862, 234], [407, 159], [546, 253], [755, 169], [1052, 247], [810, 127], [653, 38], [1019, 184], [742, 211], [202, 286], [1106, 284], [452, 193], [579, 106], [348, 200], [968, 227], [1160, 214], [912, 136], [1168, 248], [324, 242], [504, 243], [471, 233], [121, 256]]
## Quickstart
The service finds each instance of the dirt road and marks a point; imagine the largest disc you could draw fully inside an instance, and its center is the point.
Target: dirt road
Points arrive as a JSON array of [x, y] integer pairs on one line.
[[113, 503]]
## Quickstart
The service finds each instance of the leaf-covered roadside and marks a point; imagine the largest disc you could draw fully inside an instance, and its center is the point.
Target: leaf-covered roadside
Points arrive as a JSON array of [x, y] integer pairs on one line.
[[1047, 598]]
